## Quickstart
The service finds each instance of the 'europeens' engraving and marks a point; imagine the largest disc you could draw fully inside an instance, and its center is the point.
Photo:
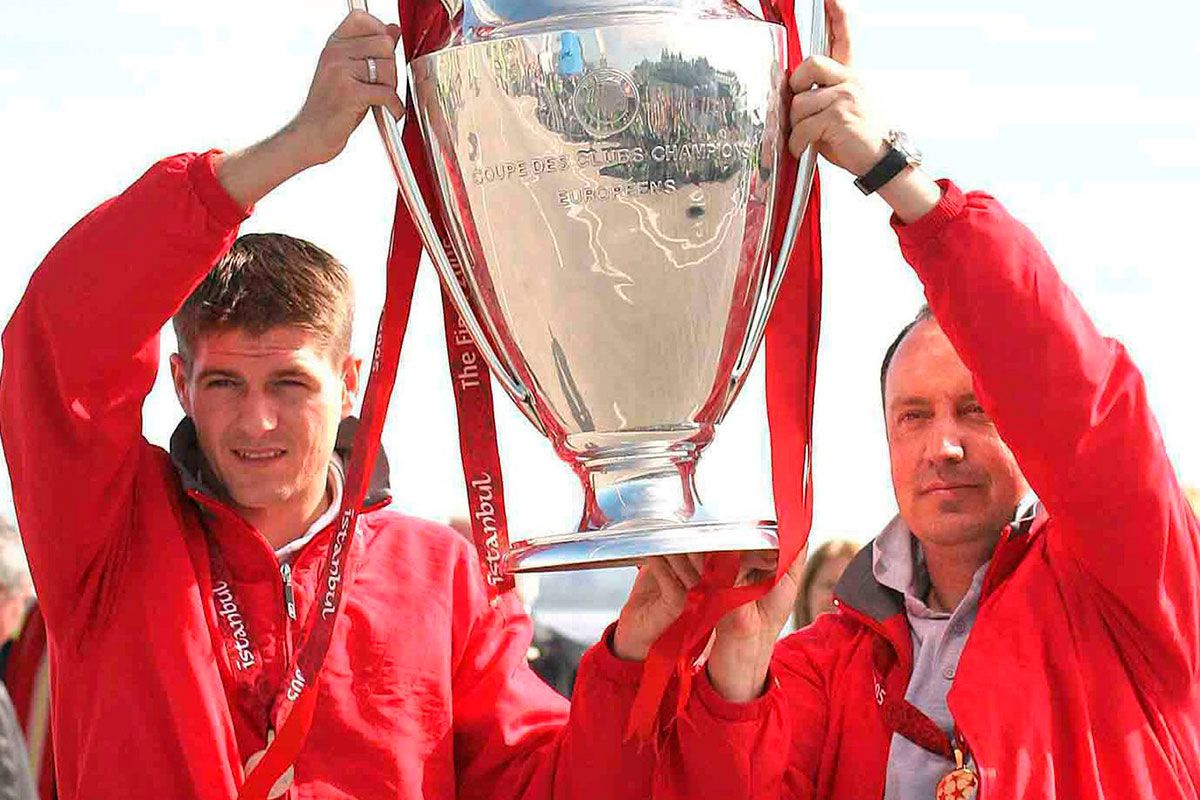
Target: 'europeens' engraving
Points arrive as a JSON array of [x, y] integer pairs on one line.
[[588, 194]]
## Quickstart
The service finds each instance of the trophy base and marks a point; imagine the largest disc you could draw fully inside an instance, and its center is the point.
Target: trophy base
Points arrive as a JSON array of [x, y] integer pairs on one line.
[[625, 547]]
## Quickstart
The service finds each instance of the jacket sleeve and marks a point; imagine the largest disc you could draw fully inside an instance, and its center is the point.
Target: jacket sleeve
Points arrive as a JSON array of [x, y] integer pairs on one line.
[[768, 749], [1072, 407], [515, 738], [80, 356]]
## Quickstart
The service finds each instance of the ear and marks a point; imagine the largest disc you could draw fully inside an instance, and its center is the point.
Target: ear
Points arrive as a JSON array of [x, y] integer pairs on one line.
[[179, 377], [351, 369]]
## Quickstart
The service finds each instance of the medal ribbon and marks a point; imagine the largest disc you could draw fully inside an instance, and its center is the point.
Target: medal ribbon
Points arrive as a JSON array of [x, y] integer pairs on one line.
[[299, 696], [425, 25], [902, 717]]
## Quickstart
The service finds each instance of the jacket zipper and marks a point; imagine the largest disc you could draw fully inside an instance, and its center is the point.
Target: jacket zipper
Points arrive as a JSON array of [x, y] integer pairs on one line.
[[289, 595], [289, 614]]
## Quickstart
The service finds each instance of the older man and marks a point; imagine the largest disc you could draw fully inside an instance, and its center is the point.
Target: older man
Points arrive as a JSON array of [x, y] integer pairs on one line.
[[989, 641]]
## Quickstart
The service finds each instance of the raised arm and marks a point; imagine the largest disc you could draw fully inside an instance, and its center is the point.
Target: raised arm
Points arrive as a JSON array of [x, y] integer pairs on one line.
[[80, 356], [1072, 406], [1068, 402], [515, 737], [81, 350]]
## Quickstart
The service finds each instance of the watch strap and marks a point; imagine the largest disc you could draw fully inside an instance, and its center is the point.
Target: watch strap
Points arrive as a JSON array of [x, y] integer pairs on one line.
[[888, 167]]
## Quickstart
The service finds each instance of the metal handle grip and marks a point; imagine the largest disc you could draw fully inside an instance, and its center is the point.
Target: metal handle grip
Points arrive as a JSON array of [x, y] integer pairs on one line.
[[389, 130], [819, 45]]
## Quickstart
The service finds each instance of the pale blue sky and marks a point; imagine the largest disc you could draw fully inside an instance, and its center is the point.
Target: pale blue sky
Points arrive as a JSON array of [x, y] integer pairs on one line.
[[1083, 117]]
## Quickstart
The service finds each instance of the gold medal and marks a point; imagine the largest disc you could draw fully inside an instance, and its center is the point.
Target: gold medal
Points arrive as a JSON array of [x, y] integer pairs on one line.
[[960, 784], [285, 780]]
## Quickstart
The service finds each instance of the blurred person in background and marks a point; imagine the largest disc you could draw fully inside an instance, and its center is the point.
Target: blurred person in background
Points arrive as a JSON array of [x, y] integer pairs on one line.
[[27, 678], [553, 655], [821, 574], [16, 595], [23, 633], [15, 782], [16, 587]]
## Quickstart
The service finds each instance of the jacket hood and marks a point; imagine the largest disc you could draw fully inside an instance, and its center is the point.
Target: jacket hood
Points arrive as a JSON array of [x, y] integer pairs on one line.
[[196, 474]]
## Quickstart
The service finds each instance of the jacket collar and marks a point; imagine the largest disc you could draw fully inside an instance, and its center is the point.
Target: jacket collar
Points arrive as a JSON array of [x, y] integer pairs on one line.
[[197, 476]]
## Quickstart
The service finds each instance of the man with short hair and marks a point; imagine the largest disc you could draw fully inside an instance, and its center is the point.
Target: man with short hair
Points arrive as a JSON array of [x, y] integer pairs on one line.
[[989, 642], [176, 586]]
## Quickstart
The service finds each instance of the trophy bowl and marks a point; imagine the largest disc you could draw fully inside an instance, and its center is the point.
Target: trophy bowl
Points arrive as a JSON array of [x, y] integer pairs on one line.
[[607, 178]]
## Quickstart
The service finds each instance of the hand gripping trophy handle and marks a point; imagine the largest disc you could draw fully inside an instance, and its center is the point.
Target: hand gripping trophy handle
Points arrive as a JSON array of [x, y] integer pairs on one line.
[[805, 170], [389, 129]]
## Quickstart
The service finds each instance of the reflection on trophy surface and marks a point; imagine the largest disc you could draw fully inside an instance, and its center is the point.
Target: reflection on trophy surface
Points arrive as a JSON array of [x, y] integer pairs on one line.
[[607, 175]]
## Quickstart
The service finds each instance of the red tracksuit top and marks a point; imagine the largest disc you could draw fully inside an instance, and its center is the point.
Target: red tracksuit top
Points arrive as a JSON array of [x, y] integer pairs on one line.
[[425, 692], [1079, 679]]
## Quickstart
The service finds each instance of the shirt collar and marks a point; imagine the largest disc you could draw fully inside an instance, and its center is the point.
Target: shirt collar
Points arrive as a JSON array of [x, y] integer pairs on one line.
[[898, 562], [336, 480]]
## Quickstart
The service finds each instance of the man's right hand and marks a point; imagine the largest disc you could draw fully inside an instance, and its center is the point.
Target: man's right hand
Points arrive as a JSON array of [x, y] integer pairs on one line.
[[746, 636], [341, 93], [740, 657], [338, 100], [829, 111]]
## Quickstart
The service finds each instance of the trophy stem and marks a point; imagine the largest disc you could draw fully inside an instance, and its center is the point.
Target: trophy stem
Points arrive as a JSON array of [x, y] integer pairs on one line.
[[638, 504], [640, 490]]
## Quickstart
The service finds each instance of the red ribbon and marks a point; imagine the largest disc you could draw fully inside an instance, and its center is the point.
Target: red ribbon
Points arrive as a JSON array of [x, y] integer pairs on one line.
[[425, 27], [791, 363], [791, 344], [322, 619]]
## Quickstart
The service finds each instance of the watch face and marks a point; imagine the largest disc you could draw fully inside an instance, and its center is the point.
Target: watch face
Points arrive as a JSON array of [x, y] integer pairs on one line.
[[900, 141]]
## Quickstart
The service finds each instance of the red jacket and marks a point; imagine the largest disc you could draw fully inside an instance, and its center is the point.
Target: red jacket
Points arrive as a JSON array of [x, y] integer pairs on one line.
[[425, 692], [1079, 678]]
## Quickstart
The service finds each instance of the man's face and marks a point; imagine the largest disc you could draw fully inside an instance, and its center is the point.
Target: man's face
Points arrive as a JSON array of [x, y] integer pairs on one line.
[[266, 410], [955, 479]]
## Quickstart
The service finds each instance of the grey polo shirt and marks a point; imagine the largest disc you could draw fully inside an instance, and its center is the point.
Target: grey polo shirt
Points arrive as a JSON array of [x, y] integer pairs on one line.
[[937, 640]]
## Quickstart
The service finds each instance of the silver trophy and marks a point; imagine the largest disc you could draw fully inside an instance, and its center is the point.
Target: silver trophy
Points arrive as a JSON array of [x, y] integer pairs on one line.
[[606, 171]]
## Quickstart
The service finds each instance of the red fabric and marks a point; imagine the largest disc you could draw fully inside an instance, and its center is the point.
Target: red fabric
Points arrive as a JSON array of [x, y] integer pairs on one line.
[[425, 691], [1079, 678], [316, 633], [27, 677], [425, 26], [791, 362]]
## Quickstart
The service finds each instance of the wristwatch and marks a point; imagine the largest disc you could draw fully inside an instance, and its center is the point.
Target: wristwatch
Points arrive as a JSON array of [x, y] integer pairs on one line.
[[901, 153]]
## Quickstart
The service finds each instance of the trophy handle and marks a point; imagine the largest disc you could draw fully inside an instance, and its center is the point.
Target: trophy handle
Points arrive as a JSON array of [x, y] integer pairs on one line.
[[389, 130], [800, 195]]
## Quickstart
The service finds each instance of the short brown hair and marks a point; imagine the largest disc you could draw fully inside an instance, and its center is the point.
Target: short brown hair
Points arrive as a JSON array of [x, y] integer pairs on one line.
[[269, 280], [924, 314]]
